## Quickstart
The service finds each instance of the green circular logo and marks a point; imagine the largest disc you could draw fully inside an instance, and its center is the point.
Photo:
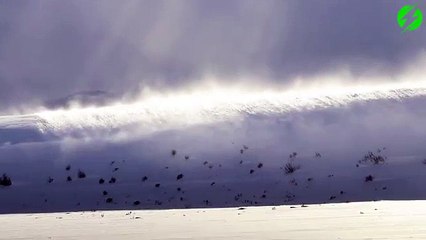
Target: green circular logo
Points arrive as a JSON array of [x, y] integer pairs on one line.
[[409, 18]]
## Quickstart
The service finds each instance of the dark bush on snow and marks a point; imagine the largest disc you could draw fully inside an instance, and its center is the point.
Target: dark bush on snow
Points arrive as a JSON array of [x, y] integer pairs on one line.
[[5, 180], [112, 180], [81, 174], [369, 178], [290, 168], [373, 158]]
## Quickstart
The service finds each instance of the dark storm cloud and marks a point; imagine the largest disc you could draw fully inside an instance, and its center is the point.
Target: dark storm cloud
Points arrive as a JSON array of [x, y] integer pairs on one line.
[[51, 49]]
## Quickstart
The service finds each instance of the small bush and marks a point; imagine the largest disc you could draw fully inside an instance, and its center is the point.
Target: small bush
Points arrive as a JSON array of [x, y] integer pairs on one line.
[[180, 176], [373, 158], [5, 180], [290, 168], [81, 174], [369, 178]]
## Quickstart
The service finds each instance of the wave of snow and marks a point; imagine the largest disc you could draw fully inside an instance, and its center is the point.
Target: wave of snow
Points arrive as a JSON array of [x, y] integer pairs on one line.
[[176, 111]]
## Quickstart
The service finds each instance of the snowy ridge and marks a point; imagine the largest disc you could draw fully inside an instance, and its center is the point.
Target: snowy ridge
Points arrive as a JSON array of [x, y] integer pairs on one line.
[[160, 114]]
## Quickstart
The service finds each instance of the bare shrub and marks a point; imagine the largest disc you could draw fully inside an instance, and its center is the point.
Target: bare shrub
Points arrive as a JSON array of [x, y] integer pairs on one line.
[[373, 158], [81, 174], [369, 178], [292, 156], [5, 180], [290, 168]]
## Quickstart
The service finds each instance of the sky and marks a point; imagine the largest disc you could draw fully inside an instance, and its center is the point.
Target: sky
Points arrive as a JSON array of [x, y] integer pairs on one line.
[[51, 49]]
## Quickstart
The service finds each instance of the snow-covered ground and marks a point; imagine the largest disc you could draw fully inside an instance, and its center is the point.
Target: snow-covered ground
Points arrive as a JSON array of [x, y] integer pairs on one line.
[[363, 220]]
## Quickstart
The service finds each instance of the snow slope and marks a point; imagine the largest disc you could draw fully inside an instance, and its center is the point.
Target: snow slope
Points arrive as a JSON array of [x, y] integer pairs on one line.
[[365, 220], [226, 155]]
